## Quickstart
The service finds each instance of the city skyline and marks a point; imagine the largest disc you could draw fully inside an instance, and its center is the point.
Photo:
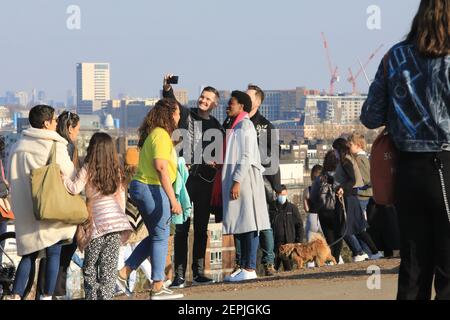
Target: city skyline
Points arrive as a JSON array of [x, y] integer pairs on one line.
[[204, 43]]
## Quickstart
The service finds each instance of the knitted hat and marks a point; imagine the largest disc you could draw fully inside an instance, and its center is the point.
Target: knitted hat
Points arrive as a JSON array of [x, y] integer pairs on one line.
[[244, 99], [132, 156]]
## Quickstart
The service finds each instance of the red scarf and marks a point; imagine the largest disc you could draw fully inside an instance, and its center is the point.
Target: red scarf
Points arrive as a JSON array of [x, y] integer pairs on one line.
[[216, 196]]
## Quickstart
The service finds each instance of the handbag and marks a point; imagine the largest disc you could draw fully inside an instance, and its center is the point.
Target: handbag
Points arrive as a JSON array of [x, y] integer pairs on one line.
[[5, 214], [383, 163], [4, 188], [83, 235], [51, 200]]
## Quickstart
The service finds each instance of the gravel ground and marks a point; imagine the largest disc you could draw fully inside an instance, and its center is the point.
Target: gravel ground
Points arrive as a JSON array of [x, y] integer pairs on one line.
[[329, 282]]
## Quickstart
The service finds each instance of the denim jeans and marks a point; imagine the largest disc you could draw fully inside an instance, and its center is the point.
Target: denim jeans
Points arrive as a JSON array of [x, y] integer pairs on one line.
[[51, 270], [312, 225], [266, 244], [249, 246], [154, 207], [354, 245]]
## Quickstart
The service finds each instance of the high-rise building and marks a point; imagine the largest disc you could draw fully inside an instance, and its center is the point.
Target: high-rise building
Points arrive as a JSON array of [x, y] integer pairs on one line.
[[70, 102], [181, 95], [22, 97], [93, 86], [42, 98], [219, 112], [337, 109]]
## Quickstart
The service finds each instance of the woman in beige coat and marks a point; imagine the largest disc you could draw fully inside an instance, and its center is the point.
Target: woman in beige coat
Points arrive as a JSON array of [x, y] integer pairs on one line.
[[32, 236]]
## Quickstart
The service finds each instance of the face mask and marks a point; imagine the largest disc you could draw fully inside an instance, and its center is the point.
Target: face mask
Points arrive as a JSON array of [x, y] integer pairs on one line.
[[282, 199]]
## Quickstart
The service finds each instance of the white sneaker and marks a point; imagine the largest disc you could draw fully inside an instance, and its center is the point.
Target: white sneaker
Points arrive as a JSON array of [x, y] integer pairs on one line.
[[341, 261], [360, 257], [235, 273], [244, 275], [165, 294], [41, 297], [376, 256], [311, 264]]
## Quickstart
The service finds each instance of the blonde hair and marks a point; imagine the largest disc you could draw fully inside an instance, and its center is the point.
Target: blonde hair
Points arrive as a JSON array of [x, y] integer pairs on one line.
[[358, 139]]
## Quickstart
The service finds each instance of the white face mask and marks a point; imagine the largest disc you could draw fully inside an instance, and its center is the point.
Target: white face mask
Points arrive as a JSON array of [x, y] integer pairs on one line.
[[282, 199]]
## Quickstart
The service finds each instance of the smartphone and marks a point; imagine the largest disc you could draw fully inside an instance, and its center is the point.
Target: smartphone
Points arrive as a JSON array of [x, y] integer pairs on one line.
[[172, 80]]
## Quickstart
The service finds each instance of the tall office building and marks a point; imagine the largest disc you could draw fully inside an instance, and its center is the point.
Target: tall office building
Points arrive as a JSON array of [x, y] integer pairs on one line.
[[93, 86]]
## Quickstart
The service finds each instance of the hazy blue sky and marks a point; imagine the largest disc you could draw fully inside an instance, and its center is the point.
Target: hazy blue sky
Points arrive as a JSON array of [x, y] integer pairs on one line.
[[224, 43]]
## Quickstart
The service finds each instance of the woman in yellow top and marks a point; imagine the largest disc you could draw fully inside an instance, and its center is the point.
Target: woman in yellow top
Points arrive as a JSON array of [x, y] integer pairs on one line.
[[152, 192]]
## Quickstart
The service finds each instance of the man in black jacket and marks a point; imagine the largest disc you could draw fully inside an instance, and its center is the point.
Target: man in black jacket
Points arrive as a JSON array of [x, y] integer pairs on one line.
[[286, 223], [195, 122]]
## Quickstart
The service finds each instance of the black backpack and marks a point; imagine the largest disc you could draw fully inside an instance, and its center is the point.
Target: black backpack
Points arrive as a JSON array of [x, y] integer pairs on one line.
[[326, 198]]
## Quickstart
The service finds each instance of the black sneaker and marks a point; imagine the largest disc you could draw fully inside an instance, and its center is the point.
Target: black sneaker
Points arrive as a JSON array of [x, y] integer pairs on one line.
[[178, 283], [201, 280]]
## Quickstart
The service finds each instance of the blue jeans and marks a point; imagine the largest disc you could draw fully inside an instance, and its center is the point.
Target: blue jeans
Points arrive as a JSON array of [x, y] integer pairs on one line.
[[266, 244], [363, 204], [249, 247], [154, 207], [354, 245], [51, 270]]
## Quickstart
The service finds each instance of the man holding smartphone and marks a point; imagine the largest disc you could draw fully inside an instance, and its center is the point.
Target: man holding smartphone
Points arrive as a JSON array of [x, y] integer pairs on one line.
[[200, 182]]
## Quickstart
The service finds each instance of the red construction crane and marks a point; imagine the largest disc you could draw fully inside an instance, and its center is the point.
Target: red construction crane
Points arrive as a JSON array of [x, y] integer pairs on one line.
[[352, 78], [333, 71]]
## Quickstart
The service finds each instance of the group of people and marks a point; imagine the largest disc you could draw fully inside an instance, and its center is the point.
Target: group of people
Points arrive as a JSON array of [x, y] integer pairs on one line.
[[344, 177], [235, 182], [410, 96]]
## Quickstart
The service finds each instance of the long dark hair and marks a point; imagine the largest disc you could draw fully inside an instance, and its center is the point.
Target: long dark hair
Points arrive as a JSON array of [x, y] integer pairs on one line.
[[161, 115], [430, 31], [105, 172], [329, 162], [342, 147], [68, 120]]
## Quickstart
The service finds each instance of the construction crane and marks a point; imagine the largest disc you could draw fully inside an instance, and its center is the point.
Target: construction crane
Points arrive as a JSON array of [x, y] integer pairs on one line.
[[352, 78], [333, 70]]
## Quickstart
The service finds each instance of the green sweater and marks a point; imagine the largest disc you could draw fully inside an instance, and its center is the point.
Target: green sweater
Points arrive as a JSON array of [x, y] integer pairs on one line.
[[364, 167]]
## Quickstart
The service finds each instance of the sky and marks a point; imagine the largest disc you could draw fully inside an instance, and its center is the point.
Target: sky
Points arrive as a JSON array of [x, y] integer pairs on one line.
[[223, 43]]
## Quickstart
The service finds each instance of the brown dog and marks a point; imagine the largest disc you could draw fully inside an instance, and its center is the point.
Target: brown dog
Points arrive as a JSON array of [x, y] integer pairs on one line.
[[317, 250]]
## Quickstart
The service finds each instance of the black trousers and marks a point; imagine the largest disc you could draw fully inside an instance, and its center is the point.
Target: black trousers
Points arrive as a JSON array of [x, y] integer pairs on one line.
[[424, 226], [287, 264], [384, 230], [331, 224], [200, 193]]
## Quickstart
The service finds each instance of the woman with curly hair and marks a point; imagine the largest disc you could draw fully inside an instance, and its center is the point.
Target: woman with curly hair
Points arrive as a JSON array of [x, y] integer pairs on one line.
[[152, 192], [103, 178]]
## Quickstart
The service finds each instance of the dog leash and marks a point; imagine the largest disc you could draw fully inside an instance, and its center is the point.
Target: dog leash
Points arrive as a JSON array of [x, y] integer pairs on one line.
[[341, 200]]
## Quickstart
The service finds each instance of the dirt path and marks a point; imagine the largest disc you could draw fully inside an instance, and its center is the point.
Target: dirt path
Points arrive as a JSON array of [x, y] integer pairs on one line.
[[343, 282]]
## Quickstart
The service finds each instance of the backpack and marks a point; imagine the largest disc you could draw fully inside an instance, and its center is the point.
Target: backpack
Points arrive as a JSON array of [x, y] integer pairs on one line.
[[326, 197]]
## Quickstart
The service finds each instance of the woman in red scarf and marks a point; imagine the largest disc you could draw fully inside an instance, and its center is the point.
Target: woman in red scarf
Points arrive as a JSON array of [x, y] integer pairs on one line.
[[243, 195]]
